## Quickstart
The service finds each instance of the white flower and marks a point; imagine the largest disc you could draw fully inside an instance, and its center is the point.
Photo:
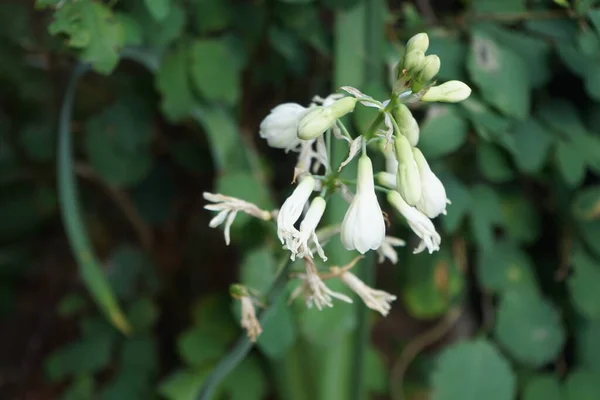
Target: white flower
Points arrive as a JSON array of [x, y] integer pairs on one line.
[[363, 227], [377, 300], [291, 209], [418, 222], [408, 180], [387, 179], [433, 194], [228, 208], [387, 249], [300, 246], [280, 127], [315, 290]]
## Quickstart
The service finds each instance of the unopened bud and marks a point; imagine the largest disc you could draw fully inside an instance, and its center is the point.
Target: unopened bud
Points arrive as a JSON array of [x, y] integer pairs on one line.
[[319, 119], [407, 123], [413, 61], [418, 42], [408, 178], [431, 67], [236, 290], [449, 92]]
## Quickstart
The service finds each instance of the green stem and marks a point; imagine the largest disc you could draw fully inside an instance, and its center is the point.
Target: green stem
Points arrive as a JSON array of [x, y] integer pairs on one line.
[[243, 345]]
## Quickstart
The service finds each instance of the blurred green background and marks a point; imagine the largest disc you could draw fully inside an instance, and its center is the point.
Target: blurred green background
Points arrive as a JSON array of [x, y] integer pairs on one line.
[[103, 231]]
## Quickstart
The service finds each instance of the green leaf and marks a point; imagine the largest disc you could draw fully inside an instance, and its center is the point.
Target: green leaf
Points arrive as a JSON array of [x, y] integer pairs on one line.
[[279, 331], [486, 213], [184, 384], [159, 34], [583, 286], [582, 385], [493, 163], [134, 35], [594, 16], [532, 144], [562, 116], [472, 370], [488, 124], [570, 164], [174, 85], [258, 269], [139, 354], [154, 196], [590, 231], [214, 70], [443, 131], [203, 345], [588, 347], [143, 314], [542, 387], [211, 15], [460, 196], [501, 75], [521, 218], [246, 381], [561, 29], [431, 284], [38, 140], [92, 28], [375, 372], [159, 9], [505, 266], [452, 51], [82, 388], [128, 270], [89, 354], [529, 328], [495, 6], [70, 305], [586, 205], [117, 143]]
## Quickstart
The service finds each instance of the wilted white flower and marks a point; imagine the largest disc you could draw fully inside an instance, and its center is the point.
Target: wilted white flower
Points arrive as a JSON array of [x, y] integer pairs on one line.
[[228, 208], [418, 222], [248, 315], [433, 194], [280, 127], [355, 147], [300, 245], [314, 289], [377, 300], [387, 249], [363, 227], [291, 209]]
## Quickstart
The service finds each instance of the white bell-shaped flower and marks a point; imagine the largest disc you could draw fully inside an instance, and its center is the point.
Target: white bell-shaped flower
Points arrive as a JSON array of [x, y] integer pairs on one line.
[[280, 127], [300, 246], [363, 227], [418, 222], [433, 194], [291, 210]]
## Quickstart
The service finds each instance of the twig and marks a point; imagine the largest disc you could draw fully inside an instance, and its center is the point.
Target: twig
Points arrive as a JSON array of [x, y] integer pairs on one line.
[[412, 350], [123, 201]]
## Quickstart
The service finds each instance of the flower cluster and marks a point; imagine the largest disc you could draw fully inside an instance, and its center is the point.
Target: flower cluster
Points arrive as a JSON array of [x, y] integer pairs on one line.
[[410, 185]]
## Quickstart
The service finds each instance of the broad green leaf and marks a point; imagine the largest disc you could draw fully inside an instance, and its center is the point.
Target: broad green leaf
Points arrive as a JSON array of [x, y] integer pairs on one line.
[[495, 6], [211, 15], [472, 370], [521, 217], [579, 63], [488, 124], [143, 314], [493, 163], [258, 269], [159, 34], [505, 266], [139, 354], [443, 131], [582, 385], [529, 327], [583, 286], [246, 381], [117, 143], [431, 284], [586, 205], [70, 305], [460, 197], [184, 384], [588, 347], [129, 271], [594, 16], [486, 213], [203, 345], [542, 387], [92, 28], [569, 163], [89, 354], [214, 71], [452, 51], [561, 29], [375, 372], [159, 9], [134, 36], [588, 42], [173, 83], [532, 144], [82, 388], [279, 330], [590, 231], [562, 116], [501, 75]]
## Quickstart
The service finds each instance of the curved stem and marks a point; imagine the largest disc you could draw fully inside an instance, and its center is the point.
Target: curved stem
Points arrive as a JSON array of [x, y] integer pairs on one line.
[[243, 345]]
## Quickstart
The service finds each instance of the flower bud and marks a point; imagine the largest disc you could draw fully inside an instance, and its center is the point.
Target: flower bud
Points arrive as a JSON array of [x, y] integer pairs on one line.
[[408, 179], [407, 123], [413, 61], [449, 92], [320, 118], [431, 67], [418, 42]]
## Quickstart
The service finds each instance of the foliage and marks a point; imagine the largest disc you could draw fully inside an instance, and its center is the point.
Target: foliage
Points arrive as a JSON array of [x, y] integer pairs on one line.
[[172, 109]]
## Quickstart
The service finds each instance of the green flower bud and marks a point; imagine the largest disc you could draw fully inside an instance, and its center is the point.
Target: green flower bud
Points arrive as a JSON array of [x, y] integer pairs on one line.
[[418, 42], [407, 123], [408, 178], [449, 92], [413, 61], [319, 119], [431, 67], [236, 290]]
